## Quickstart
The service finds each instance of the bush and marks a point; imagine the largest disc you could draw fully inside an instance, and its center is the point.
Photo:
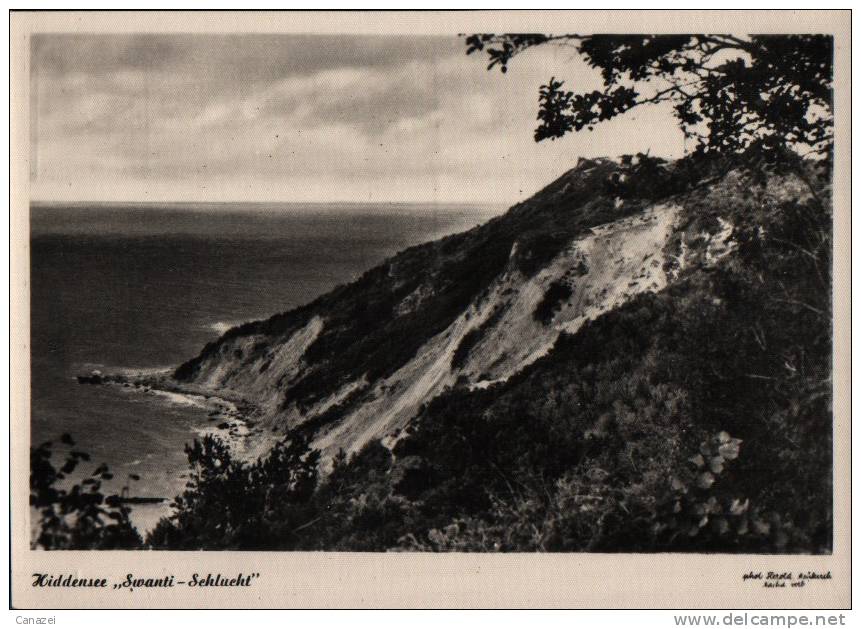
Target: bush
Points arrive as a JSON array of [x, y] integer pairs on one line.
[[230, 504], [79, 517]]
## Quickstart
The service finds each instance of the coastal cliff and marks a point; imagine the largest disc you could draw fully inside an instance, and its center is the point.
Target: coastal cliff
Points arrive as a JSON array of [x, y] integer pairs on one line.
[[470, 310], [634, 359]]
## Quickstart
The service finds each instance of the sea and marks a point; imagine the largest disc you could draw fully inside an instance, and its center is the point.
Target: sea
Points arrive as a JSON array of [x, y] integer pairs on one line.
[[145, 286]]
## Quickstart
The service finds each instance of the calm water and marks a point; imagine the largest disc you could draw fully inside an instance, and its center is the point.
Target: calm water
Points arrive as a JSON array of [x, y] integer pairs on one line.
[[129, 286]]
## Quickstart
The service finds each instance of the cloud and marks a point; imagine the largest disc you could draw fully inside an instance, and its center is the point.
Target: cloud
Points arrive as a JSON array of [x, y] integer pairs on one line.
[[315, 118]]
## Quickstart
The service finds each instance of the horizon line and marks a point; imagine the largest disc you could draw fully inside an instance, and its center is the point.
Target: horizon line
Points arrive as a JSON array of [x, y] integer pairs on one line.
[[254, 202]]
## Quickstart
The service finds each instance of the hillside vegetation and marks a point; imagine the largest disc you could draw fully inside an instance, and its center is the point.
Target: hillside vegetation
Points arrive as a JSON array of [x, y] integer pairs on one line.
[[696, 417], [638, 358]]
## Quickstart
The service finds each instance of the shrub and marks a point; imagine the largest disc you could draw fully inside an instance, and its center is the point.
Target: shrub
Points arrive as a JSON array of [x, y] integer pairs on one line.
[[229, 503], [79, 517]]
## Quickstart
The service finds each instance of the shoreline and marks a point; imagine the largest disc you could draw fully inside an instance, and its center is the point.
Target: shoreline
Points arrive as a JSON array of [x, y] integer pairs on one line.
[[231, 420]]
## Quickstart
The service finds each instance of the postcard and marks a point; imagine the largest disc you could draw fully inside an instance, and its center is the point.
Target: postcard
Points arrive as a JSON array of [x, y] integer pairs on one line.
[[430, 309]]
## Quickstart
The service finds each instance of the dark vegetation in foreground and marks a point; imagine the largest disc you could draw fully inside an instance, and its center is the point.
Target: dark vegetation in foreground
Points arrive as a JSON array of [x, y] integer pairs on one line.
[[695, 419], [78, 515]]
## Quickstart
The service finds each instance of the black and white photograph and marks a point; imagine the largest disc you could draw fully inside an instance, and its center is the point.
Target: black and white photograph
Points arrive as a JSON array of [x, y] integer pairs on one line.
[[539, 292]]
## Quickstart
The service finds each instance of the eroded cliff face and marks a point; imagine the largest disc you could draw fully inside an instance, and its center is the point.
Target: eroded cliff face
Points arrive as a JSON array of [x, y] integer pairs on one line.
[[562, 266]]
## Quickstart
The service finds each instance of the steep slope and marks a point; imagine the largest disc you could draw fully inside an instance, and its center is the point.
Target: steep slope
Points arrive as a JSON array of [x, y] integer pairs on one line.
[[636, 359], [697, 417], [469, 310]]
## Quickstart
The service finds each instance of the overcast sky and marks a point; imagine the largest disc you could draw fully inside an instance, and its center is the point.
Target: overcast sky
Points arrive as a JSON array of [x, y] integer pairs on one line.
[[305, 118]]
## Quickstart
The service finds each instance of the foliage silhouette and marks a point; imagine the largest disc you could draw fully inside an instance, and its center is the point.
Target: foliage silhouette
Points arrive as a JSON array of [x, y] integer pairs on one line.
[[726, 92], [76, 516]]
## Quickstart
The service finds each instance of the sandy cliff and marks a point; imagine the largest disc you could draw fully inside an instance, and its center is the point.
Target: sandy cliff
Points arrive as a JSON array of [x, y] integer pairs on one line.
[[469, 310]]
